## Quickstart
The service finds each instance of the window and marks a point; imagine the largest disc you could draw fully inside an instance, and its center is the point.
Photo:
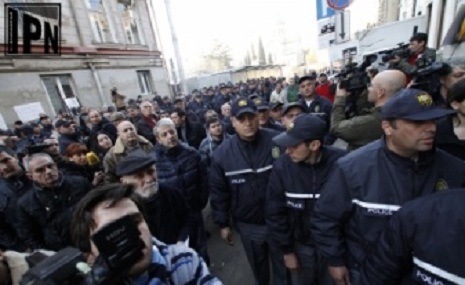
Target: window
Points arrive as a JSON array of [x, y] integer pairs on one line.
[[128, 13], [60, 91], [99, 22], [144, 82]]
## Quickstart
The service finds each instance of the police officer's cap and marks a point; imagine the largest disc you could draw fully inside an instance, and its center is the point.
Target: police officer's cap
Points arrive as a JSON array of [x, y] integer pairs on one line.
[[276, 105], [134, 162], [414, 105], [261, 104], [243, 105], [289, 106], [306, 127], [306, 77]]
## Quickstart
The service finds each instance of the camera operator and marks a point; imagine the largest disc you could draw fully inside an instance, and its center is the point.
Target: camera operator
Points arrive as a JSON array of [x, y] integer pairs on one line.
[[361, 130], [451, 75], [417, 49], [450, 134], [159, 264]]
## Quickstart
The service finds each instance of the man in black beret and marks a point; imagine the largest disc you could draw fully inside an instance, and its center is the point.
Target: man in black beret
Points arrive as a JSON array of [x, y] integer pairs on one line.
[[167, 212]]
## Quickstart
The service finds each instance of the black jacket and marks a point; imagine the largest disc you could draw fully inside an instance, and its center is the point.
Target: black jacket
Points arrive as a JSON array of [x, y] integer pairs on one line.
[[272, 125], [239, 174], [363, 191], [45, 214], [220, 100], [293, 190], [199, 109], [423, 244], [73, 169], [145, 130], [182, 168], [320, 106], [194, 134], [65, 140], [447, 140], [168, 215], [10, 191]]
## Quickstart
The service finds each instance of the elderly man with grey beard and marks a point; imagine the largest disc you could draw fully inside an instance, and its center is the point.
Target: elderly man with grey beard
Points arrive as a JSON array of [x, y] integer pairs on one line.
[[167, 212]]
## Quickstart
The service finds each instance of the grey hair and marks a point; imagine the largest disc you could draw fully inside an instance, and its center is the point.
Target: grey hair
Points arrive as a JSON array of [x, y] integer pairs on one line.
[[34, 156], [164, 122]]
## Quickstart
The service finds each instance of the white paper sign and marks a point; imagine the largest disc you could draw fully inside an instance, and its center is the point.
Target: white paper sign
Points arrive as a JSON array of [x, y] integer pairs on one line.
[[29, 112], [3, 125], [72, 102]]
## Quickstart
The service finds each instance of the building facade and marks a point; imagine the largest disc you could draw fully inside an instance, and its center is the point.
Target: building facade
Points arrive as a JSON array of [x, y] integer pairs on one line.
[[388, 11], [104, 44]]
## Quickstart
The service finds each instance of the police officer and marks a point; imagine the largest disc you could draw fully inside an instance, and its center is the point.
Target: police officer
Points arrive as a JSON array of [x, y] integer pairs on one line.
[[423, 244], [312, 102], [290, 112], [239, 174], [361, 130], [295, 184], [368, 185], [264, 118]]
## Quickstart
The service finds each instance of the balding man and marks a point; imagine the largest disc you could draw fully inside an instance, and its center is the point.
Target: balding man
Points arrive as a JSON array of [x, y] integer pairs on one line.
[[127, 141], [361, 130]]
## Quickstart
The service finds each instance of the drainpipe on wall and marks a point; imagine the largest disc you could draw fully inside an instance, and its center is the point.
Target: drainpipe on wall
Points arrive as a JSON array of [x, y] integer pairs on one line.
[[96, 76]]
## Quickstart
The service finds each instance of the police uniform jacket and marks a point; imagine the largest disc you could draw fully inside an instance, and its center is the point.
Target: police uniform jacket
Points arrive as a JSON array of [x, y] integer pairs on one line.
[[292, 192], [423, 244], [239, 175], [320, 106], [363, 191]]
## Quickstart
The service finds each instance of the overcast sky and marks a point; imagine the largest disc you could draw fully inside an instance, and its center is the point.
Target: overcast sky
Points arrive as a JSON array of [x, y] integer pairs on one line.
[[240, 22]]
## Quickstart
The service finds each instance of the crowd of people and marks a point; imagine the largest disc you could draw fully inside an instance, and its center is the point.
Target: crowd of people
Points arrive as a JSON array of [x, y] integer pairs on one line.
[[261, 154]]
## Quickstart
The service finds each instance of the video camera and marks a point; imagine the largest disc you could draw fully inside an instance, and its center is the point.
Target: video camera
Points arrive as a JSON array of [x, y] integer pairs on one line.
[[353, 76], [427, 73], [119, 245], [401, 51]]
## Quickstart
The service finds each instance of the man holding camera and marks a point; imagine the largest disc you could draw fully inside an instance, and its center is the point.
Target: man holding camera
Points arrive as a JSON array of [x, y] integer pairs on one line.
[[157, 263], [361, 130], [417, 49]]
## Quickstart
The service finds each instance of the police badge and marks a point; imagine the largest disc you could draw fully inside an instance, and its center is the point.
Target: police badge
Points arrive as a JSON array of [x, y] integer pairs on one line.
[[441, 185], [275, 152], [425, 100], [242, 103]]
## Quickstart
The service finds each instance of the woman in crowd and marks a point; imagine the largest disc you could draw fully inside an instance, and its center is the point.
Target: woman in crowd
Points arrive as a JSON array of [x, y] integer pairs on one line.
[[104, 144], [83, 163]]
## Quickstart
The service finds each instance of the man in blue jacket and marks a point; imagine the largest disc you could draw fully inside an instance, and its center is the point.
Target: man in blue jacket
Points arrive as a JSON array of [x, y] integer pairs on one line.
[[295, 184], [239, 174], [370, 184], [423, 244], [180, 166]]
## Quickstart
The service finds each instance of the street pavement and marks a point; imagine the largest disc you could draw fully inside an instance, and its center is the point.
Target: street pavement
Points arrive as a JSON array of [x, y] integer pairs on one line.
[[228, 263]]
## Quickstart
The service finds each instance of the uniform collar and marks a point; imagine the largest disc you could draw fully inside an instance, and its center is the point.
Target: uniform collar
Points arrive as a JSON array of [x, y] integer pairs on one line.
[[425, 159]]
